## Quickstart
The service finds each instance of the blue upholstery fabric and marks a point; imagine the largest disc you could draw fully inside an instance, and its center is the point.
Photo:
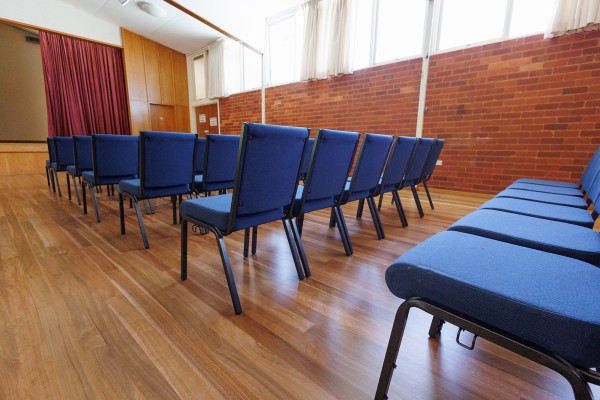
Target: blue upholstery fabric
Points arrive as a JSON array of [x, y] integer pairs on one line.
[[199, 158], [63, 150], [545, 299], [72, 170], [368, 168], [546, 189], [51, 153], [536, 233], [398, 162], [48, 164], [167, 161], [434, 155], [547, 183], [221, 160], [132, 187], [82, 154], [271, 166], [331, 162], [553, 212], [306, 156], [559, 199], [418, 162], [115, 158]]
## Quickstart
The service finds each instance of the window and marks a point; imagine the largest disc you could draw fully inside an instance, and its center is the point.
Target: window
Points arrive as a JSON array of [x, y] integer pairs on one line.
[[363, 34], [252, 69], [400, 27], [199, 65], [465, 22], [233, 66], [529, 17], [284, 49]]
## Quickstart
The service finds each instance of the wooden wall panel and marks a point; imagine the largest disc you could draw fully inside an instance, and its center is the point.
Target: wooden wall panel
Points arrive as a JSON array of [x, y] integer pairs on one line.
[[182, 119], [167, 89], [151, 59], [133, 53], [140, 117], [162, 118], [22, 158], [180, 80]]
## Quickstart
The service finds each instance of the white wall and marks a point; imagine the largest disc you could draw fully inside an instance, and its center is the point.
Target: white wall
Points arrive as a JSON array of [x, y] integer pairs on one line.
[[58, 16]]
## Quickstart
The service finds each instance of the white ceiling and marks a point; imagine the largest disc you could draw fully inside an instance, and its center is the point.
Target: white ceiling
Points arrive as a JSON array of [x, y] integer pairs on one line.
[[244, 19]]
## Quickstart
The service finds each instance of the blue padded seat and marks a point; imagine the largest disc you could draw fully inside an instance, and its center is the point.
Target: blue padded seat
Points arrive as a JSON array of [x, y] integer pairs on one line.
[[548, 300], [133, 187], [547, 183], [570, 215], [551, 236], [558, 199], [547, 189]]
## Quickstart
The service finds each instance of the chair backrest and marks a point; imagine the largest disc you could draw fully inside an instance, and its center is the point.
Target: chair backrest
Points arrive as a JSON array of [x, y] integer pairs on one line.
[[115, 157], [590, 172], [82, 153], [166, 160], [221, 156], [398, 162], [63, 152], [306, 156], [51, 154], [418, 162], [267, 170], [199, 157], [369, 165], [329, 166], [434, 155]]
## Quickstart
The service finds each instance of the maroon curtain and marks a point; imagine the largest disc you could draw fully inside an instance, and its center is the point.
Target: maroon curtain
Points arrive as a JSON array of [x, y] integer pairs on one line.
[[85, 86]]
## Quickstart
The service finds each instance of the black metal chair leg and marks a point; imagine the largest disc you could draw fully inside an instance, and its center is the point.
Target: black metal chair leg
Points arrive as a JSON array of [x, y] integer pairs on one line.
[[121, 214], [95, 201], [68, 185], [228, 273], [435, 329], [400, 209], [300, 248], [83, 185], [417, 201], [76, 190], [300, 223], [53, 176], [246, 241], [140, 222], [380, 202], [184, 235], [428, 194], [151, 206], [375, 217], [359, 210], [174, 201], [291, 242], [332, 218], [339, 216], [48, 176], [58, 184], [254, 238]]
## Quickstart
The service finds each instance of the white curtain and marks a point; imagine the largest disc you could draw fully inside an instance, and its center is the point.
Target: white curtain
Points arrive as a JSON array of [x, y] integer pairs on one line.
[[216, 69], [573, 16], [328, 34]]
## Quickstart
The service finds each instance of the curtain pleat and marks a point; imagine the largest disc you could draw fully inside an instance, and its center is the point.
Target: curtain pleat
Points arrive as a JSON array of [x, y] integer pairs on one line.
[[85, 86], [572, 16]]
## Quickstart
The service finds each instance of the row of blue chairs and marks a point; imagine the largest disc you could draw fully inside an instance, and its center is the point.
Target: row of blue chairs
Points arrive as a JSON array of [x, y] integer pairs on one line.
[[521, 271]]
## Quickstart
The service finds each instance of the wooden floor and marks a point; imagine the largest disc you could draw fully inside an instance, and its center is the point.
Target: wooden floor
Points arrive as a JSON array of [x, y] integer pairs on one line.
[[86, 313]]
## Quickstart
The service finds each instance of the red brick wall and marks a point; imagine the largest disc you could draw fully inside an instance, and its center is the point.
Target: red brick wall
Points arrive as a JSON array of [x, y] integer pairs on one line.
[[525, 107]]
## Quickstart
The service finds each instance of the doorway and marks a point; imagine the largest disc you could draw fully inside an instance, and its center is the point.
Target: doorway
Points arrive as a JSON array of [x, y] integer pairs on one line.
[[207, 119]]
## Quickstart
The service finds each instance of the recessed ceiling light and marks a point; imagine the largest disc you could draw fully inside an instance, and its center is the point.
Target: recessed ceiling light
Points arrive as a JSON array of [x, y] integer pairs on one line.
[[124, 2], [152, 9]]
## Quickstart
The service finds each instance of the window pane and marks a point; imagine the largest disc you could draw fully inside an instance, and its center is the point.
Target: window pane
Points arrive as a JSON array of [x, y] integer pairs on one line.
[[400, 27], [282, 51], [362, 33], [232, 67], [200, 77], [252, 70], [465, 22], [530, 17]]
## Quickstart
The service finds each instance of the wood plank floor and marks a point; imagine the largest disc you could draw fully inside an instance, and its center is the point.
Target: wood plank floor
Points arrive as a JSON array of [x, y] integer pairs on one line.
[[86, 313]]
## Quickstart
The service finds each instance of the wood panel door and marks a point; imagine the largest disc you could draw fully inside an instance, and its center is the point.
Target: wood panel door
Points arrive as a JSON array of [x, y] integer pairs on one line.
[[207, 119], [162, 118]]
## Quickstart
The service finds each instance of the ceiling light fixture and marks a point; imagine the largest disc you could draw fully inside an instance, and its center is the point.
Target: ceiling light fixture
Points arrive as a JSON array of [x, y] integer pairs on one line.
[[124, 2], [152, 9]]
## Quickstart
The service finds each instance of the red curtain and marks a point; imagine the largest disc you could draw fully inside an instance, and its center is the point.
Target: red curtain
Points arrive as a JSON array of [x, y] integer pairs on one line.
[[85, 86]]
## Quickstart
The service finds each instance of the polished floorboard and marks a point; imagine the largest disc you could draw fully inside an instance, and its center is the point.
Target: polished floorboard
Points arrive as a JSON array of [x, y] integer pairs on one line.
[[86, 313]]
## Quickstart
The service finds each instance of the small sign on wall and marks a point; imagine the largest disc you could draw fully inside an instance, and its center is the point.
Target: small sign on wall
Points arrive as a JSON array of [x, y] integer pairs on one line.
[[202, 118], [213, 121]]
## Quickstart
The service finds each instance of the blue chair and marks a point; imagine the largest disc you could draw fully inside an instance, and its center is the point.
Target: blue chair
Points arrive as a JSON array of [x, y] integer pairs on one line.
[[429, 167], [114, 157], [325, 178], [63, 153], [219, 164], [306, 156], [199, 157], [51, 159], [394, 173], [540, 305], [265, 182], [82, 157], [166, 170], [363, 184]]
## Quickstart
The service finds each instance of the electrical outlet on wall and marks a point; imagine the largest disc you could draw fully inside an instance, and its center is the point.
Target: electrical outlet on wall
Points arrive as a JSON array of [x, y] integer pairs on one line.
[[438, 162]]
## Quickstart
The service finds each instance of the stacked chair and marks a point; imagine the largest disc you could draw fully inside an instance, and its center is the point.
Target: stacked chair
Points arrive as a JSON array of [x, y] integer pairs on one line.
[[432, 159], [51, 159], [82, 161], [218, 166], [267, 172], [63, 157], [521, 272]]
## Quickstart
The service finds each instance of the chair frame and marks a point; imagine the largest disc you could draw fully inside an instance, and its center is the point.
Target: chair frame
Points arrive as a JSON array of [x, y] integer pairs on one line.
[[51, 158], [289, 226], [77, 171], [577, 378]]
